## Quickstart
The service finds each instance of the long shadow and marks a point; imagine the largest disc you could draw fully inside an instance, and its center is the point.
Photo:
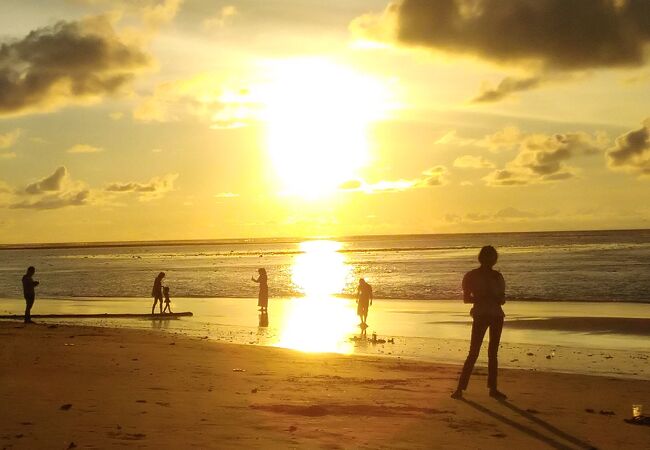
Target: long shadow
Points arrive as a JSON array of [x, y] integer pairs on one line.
[[530, 431], [548, 426]]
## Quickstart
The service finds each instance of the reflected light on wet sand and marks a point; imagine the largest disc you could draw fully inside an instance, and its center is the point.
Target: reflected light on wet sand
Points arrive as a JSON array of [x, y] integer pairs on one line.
[[319, 322]]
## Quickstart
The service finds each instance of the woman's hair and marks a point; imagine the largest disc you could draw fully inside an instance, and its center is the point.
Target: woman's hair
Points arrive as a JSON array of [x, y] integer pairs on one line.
[[31, 269], [261, 270], [488, 256], [161, 275]]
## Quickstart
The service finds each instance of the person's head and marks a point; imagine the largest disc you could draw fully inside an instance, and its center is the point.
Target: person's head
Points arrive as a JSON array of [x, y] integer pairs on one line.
[[362, 281], [488, 256], [261, 271], [161, 275], [166, 289], [31, 270]]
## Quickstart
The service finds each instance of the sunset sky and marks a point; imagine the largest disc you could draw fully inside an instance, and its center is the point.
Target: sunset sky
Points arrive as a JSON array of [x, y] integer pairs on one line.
[[197, 119]]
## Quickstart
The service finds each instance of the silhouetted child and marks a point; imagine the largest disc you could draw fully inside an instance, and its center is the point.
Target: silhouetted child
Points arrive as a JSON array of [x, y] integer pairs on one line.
[[168, 307]]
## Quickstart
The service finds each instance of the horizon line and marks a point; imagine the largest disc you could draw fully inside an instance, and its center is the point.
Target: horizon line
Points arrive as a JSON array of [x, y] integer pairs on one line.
[[285, 239]]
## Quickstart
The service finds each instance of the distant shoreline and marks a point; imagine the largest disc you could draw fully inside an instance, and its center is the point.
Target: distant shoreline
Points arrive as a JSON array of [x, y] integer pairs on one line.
[[278, 240], [344, 296]]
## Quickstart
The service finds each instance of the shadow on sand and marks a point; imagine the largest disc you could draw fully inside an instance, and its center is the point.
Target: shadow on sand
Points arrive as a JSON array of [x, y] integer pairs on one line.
[[550, 441]]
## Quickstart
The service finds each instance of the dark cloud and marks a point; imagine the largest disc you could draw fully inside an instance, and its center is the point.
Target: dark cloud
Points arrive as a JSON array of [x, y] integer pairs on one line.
[[150, 190], [632, 151], [543, 158], [55, 201], [65, 63], [52, 192], [506, 87], [51, 183], [559, 34]]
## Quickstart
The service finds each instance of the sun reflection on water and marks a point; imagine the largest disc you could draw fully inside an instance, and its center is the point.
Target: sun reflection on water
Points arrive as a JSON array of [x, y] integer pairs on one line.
[[319, 322]]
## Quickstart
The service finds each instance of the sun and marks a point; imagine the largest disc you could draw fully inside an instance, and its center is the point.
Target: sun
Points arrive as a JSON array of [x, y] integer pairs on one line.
[[317, 115]]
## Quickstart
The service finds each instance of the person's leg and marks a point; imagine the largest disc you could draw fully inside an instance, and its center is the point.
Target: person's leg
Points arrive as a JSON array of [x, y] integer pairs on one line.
[[161, 304], [29, 302], [479, 326], [496, 326], [153, 307]]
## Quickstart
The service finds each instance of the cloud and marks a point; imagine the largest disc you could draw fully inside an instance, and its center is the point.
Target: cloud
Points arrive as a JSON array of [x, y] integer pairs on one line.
[[504, 139], [506, 87], [55, 201], [435, 176], [508, 214], [9, 138], [553, 34], [543, 158], [54, 182], [513, 213], [631, 151], [220, 19], [204, 96], [54, 191], [473, 162], [66, 63], [153, 189], [84, 148], [226, 195], [152, 14]]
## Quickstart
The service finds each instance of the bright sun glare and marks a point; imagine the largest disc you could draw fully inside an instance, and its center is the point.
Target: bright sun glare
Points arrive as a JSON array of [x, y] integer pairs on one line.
[[317, 115], [319, 322]]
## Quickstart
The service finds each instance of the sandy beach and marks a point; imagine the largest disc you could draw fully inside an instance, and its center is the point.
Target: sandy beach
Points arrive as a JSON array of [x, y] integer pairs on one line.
[[87, 387]]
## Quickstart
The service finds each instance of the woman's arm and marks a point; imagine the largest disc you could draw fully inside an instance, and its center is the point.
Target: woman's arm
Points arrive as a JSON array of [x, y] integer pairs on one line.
[[467, 290]]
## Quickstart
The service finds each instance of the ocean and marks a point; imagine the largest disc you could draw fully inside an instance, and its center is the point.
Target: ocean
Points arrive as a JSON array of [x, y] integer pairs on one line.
[[596, 266]]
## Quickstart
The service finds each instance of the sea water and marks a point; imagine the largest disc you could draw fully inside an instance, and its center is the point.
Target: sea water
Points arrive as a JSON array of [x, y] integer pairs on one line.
[[607, 266], [576, 301]]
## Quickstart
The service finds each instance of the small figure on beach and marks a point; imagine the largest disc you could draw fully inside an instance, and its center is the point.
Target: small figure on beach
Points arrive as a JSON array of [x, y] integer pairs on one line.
[[485, 288], [364, 300], [168, 307], [156, 292], [263, 296], [28, 292]]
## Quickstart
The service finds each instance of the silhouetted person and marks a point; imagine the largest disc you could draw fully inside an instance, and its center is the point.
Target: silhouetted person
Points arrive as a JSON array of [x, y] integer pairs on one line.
[[364, 300], [28, 292], [157, 293], [168, 302], [263, 296], [486, 289]]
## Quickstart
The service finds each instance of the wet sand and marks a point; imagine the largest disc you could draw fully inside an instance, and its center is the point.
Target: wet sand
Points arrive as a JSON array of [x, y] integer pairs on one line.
[[85, 387]]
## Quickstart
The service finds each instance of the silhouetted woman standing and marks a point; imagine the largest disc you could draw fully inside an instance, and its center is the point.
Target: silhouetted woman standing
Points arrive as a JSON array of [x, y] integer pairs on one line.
[[157, 293], [263, 296], [486, 289]]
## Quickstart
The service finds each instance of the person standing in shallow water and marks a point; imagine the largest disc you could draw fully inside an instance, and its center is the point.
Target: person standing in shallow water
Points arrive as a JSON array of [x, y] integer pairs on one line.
[[263, 296], [157, 293], [486, 289], [364, 300], [28, 292]]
